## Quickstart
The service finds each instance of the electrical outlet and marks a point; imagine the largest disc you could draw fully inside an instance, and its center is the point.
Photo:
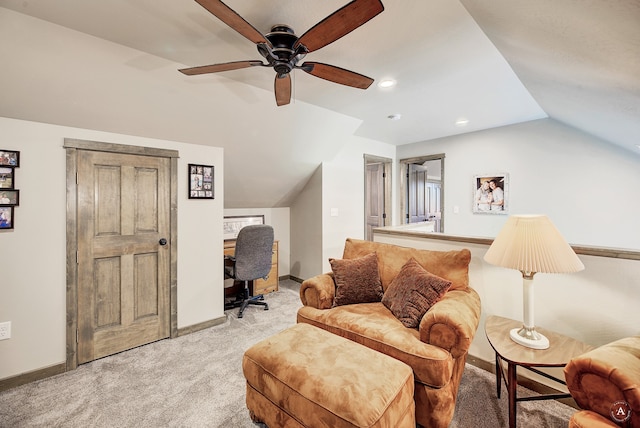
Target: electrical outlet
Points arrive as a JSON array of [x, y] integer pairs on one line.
[[5, 330]]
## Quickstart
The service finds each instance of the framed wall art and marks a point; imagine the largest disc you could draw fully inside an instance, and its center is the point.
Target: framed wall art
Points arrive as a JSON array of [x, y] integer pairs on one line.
[[6, 178], [9, 197], [233, 224], [200, 181], [6, 218], [491, 194], [9, 158]]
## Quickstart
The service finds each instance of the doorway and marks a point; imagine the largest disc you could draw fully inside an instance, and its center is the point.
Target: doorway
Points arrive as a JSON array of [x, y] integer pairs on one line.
[[422, 181], [377, 190], [121, 248]]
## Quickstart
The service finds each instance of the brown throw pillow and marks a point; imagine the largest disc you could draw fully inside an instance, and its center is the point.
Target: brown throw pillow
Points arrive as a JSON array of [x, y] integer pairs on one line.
[[358, 280], [412, 292]]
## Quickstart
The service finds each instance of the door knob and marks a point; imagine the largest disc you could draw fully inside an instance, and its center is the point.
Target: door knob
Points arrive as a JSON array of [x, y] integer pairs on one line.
[[162, 242]]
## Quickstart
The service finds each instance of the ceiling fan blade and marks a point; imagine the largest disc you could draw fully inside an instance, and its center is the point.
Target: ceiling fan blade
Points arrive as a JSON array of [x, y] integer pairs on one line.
[[282, 87], [233, 20], [339, 23], [216, 68], [337, 74]]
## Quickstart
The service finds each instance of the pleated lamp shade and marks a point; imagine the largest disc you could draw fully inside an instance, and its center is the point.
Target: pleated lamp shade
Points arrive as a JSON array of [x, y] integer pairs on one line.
[[531, 243]]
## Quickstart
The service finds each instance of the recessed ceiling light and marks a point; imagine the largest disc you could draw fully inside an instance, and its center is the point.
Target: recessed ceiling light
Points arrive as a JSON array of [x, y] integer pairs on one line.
[[386, 83], [395, 116], [462, 121]]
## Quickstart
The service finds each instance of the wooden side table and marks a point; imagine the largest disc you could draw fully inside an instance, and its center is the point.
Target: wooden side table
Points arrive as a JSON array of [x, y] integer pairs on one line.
[[561, 350]]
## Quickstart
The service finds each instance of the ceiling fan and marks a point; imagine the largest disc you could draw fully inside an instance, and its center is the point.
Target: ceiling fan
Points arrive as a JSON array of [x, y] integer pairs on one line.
[[282, 49]]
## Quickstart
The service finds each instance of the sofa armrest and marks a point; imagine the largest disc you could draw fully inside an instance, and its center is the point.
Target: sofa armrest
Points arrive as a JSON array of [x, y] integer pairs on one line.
[[606, 375], [318, 291], [452, 322]]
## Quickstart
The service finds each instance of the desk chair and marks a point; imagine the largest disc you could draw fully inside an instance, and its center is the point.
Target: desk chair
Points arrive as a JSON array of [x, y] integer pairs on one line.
[[251, 261]]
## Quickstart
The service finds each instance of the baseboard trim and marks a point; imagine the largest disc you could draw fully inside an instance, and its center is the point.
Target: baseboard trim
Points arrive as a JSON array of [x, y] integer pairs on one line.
[[201, 326], [481, 364], [296, 279], [531, 384], [28, 377]]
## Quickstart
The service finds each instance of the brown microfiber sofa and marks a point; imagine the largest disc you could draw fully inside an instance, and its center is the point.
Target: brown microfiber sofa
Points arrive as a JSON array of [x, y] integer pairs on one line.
[[605, 382], [436, 351]]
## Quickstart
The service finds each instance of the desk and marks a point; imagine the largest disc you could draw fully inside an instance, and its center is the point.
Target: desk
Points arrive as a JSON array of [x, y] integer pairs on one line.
[[561, 350], [259, 286]]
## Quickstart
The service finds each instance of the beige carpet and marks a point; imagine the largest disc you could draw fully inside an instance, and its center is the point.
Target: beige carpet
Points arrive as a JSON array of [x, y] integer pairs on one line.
[[196, 381]]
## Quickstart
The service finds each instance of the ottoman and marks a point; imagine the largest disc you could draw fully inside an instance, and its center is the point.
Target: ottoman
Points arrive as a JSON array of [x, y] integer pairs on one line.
[[307, 377]]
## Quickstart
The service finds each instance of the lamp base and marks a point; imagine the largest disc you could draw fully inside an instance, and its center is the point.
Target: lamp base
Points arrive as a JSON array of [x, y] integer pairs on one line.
[[529, 337]]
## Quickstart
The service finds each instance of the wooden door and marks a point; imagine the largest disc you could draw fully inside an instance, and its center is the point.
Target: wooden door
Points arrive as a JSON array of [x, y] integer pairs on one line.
[[417, 193], [374, 203], [123, 252]]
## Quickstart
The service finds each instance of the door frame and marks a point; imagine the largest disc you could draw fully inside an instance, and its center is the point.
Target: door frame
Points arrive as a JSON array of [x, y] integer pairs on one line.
[[404, 185], [72, 146], [387, 209]]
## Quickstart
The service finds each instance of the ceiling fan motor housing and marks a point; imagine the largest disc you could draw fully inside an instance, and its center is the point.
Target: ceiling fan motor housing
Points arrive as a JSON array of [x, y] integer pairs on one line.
[[281, 56]]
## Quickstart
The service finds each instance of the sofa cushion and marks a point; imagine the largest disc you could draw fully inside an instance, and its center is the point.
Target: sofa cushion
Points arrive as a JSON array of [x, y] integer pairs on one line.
[[373, 325], [450, 265], [357, 280], [412, 292]]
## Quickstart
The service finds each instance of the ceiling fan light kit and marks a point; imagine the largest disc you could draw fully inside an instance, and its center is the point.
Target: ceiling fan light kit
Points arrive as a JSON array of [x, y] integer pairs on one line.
[[283, 50]]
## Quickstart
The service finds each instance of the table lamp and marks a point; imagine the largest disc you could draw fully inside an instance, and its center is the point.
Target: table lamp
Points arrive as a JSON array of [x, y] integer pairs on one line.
[[531, 244]]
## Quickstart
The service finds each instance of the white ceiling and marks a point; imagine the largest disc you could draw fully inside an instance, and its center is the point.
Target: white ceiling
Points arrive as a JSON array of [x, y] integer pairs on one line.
[[494, 63]]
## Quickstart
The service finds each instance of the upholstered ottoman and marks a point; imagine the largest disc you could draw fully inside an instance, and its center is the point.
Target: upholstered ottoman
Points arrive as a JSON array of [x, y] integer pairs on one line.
[[307, 377]]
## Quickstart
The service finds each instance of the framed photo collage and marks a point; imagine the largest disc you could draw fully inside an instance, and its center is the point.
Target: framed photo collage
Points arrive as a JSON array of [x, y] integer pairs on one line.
[[9, 195]]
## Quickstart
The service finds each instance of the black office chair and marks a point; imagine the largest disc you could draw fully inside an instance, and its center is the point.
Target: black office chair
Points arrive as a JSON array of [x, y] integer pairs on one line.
[[251, 261]]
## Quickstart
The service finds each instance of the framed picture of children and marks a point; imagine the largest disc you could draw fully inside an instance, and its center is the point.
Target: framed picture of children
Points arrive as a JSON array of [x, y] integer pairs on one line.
[[200, 181], [6, 178], [9, 158], [6, 218], [9, 197], [491, 194]]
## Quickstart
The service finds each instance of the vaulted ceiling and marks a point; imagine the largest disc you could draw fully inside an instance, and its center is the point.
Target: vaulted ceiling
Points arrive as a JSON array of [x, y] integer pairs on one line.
[[493, 63]]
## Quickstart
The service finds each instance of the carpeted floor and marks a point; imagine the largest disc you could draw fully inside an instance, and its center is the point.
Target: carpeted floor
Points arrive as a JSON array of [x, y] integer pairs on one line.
[[196, 381]]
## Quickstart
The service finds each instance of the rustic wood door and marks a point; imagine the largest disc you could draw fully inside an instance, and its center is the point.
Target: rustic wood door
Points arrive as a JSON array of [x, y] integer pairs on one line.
[[123, 256]]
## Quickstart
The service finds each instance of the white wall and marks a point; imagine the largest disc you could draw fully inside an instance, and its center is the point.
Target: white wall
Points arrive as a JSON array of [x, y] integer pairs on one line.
[[33, 257], [343, 194], [280, 220], [589, 188], [306, 229], [337, 187]]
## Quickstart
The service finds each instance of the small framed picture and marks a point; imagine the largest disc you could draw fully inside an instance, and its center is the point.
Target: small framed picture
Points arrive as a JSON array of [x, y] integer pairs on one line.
[[6, 178], [9, 158], [200, 181], [9, 197], [491, 194], [6, 218]]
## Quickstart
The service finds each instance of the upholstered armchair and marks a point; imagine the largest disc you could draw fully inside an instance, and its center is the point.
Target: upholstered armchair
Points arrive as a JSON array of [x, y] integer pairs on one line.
[[605, 383], [435, 346]]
